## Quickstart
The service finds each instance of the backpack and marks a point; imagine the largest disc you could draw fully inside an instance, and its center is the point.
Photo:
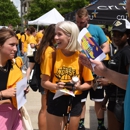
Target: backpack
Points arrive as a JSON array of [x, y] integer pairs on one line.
[[35, 80]]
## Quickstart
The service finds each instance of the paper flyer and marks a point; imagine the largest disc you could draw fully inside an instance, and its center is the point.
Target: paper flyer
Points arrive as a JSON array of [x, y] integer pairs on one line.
[[20, 94], [89, 46], [63, 92]]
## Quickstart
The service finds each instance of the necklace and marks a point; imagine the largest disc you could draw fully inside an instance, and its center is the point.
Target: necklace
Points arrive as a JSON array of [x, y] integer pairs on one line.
[[4, 68]]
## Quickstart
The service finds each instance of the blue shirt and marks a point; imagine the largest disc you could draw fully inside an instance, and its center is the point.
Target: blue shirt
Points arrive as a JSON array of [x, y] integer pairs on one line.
[[97, 33]]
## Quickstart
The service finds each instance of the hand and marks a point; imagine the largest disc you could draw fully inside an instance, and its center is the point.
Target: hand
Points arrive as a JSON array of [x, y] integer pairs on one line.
[[77, 85], [10, 92], [26, 90], [85, 61], [99, 68], [60, 85], [32, 45], [103, 81]]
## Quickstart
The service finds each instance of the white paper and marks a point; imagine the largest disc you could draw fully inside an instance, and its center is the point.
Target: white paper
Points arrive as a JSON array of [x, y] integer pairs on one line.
[[20, 94], [58, 94], [63, 92]]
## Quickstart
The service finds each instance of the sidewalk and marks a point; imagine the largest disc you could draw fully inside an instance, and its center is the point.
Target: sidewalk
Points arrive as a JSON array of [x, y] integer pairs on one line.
[[33, 106]]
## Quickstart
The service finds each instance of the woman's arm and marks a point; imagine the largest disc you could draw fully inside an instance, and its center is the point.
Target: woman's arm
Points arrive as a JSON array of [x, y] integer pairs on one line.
[[46, 83]]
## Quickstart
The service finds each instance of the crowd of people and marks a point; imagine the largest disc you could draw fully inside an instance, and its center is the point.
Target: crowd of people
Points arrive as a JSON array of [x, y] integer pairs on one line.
[[63, 65]]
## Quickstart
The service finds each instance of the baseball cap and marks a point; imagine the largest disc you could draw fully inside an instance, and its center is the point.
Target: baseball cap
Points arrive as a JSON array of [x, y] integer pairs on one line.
[[121, 25]]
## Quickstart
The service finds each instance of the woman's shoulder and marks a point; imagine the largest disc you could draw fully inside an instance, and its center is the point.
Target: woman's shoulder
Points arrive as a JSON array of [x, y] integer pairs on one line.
[[18, 61], [49, 49]]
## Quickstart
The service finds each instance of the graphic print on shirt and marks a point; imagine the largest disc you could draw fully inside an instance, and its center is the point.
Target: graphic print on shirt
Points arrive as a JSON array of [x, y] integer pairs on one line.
[[66, 73]]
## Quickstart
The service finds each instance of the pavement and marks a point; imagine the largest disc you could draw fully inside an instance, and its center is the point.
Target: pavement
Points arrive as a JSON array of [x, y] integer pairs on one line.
[[34, 103]]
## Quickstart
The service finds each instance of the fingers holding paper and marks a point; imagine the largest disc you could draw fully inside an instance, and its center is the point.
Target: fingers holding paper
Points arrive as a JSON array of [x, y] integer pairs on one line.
[[99, 67], [85, 61], [10, 92]]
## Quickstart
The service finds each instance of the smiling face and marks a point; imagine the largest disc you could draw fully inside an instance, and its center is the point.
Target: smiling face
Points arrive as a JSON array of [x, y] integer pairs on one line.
[[9, 48], [61, 38]]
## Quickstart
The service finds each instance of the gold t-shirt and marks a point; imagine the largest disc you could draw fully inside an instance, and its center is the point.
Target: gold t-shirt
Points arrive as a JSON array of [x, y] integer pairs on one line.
[[65, 68]]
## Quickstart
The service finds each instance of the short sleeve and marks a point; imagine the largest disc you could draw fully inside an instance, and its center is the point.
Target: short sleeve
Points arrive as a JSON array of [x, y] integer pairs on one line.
[[46, 65], [87, 74]]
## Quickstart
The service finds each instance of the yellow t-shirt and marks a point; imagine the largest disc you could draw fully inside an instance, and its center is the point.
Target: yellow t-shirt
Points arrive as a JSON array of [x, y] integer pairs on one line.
[[32, 40], [18, 35], [25, 41], [39, 36], [15, 75], [48, 53], [65, 68]]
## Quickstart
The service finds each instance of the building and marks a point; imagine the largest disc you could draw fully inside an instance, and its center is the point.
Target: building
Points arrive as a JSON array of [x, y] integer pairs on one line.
[[25, 6]]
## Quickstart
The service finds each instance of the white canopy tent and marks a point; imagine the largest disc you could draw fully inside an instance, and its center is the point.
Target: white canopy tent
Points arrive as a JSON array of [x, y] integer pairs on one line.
[[51, 17]]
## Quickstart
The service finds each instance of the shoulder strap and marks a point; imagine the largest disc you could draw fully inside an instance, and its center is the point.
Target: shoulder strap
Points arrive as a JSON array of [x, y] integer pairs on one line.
[[25, 36], [80, 71], [53, 63]]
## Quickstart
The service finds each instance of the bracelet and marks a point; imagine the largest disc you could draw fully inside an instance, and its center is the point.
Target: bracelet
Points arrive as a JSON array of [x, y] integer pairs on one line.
[[1, 96]]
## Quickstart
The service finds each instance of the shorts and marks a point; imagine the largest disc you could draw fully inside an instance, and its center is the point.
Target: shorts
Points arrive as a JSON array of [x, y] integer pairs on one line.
[[31, 59], [58, 106], [111, 105], [97, 95], [84, 95]]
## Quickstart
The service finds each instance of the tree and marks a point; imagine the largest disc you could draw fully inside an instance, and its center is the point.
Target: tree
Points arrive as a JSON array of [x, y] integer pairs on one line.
[[38, 8], [8, 13], [70, 5]]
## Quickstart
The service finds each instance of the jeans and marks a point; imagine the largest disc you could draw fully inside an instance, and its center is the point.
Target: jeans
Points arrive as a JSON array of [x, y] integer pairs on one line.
[[25, 61]]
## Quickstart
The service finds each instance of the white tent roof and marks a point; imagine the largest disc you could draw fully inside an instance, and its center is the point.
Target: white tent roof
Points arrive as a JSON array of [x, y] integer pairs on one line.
[[51, 17]]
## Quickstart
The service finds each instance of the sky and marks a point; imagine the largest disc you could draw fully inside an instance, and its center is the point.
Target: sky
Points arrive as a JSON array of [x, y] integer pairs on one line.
[[17, 4]]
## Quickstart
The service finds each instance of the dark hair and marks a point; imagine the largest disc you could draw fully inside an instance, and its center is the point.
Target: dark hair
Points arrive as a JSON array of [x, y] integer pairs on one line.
[[41, 27], [47, 40], [17, 31], [32, 29], [5, 34]]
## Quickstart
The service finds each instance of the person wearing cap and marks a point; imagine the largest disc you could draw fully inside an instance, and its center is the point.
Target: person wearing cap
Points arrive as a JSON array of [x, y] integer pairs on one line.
[[119, 63], [119, 77]]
